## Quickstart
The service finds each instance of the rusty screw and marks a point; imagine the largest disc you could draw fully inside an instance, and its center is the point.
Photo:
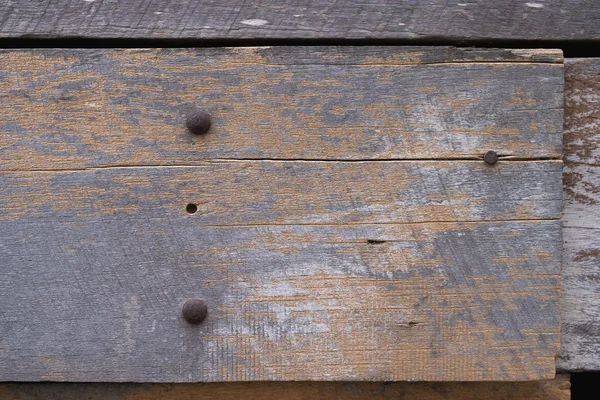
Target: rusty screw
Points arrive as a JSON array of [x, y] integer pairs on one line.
[[198, 122], [194, 311], [490, 157]]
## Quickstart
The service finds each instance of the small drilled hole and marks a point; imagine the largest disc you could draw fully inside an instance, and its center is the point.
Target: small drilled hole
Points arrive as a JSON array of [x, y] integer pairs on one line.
[[191, 208]]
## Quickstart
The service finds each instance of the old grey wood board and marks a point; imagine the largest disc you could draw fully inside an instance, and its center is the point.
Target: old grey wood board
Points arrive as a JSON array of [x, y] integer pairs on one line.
[[317, 19], [97, 263], [86, 108], [580, 311], [339, 267]]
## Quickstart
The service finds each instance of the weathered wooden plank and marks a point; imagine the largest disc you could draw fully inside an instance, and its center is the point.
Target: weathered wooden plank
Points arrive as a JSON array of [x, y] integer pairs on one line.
[[580, 311], [555, 389], [307, 270], [229, 193], [320, 19], [66, 108], [98, 299], [321, 254]]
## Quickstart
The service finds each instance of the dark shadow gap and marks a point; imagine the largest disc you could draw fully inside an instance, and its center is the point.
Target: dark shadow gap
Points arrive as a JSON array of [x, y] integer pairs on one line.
[[571, 49], [584, 386]]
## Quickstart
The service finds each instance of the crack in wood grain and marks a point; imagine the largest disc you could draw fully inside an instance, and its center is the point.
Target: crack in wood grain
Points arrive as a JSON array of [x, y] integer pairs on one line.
[[285, 160], [487, 221], [418, 64]]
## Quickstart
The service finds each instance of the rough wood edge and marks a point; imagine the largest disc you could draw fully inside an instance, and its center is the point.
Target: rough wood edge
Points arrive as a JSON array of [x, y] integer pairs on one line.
[[345, 55], [554, 389]]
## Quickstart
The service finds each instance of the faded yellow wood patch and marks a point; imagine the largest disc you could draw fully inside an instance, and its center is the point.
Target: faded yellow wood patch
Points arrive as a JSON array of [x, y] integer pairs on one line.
[[66, 109]]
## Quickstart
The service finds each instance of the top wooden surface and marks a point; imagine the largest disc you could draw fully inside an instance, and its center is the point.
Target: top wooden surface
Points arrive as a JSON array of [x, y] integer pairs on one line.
[[277, 19], [76, 108]]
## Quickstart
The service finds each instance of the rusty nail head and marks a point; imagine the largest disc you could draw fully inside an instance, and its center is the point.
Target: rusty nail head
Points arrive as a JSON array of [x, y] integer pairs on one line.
[[198, 122], [490, 157], [194, 311]]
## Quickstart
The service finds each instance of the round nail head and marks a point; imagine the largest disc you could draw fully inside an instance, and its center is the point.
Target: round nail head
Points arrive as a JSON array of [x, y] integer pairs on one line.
[[490, 157], [198, 122], [194, 311]]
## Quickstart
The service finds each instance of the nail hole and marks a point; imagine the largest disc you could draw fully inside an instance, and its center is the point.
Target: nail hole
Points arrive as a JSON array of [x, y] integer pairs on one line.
[[191, 208]]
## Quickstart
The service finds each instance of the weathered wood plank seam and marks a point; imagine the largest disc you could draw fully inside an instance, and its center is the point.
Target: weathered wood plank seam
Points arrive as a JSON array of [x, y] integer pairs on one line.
[[350, 59], [567, 224], [482, 222], [411, 64], [398, 64], [278, 160]]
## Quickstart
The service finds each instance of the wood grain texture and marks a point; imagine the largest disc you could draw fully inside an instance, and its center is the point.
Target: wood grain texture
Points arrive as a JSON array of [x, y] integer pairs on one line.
[[320, 19], [236, 193], [346, 226], [97, 264], [555, 389], [66, 109], [580, 339]]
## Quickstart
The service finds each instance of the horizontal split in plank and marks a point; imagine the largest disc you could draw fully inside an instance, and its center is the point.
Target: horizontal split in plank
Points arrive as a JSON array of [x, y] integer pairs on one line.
[[318, 19], [554, 389], [229, 193], [77, 108]]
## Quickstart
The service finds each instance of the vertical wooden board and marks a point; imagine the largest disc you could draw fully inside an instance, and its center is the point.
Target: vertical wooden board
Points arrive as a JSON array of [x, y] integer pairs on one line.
[[99, 261], [580, 311], [554, 389], [79, 108]]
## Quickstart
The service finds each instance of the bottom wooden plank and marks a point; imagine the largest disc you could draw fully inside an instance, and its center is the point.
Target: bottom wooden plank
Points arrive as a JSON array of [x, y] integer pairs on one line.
[[101, 301], [555, 389]]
